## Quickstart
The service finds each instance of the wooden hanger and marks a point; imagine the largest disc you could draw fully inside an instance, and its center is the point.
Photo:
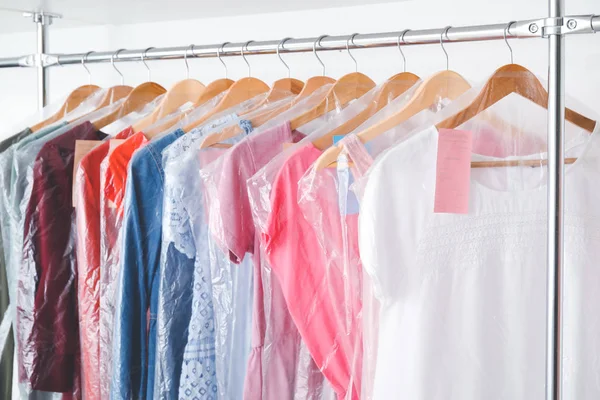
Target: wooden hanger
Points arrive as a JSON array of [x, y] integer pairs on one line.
[[214, 139], [282, 88], [512, 78], [214, 89], [349, 87], [185, 91], [242, 90], [446, 84], [390, 90], [74, 100], [113, 95], [312, 85], [137, 99], [218, 86]]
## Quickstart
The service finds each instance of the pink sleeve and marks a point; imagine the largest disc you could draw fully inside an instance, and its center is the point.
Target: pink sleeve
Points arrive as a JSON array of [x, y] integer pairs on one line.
[[233, 226]]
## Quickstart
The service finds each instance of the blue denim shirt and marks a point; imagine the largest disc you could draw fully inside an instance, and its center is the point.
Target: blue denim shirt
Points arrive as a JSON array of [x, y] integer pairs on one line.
[[178, 261], [134, 342]]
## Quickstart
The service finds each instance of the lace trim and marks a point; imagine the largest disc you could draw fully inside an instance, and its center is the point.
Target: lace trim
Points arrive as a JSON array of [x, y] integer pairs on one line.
[[468, 242], [178, 160]]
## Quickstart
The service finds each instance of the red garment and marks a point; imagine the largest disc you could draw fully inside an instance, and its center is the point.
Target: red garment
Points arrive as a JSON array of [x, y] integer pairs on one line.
[[48, 254], [87, 186], [113, 182], [116, 173]]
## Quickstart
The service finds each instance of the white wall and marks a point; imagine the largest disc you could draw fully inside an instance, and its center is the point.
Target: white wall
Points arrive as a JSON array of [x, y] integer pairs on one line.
[[473, 60]]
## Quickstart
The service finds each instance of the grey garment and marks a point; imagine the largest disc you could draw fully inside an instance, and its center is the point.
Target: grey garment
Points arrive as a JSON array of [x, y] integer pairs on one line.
[[6, 354]]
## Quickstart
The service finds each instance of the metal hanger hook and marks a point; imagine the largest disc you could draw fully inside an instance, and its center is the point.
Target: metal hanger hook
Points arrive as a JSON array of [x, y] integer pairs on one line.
[[112, 62], [445, 32], [219, 50], [506, 40], [401, 39], [351, 39], [187, 66], [279, 55], [83, 60], [318, 42], [146, 65], [244, 57]]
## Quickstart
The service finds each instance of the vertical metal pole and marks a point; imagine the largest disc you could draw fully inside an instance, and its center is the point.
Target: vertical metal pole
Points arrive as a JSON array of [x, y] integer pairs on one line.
[[42, 48], [556, 126]]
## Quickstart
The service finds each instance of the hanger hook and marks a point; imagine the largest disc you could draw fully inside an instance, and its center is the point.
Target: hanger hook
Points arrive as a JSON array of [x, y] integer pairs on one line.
[[318, 42], [244, 57], [401, 39], [351, 39], [279, 55], [187, 67], [112, 62], [219, 50], [83, 60], [506, 40], [146, 65], [445, 32]]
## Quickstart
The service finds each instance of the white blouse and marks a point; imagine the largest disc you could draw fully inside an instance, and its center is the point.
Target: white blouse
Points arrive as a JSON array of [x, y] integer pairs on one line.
[[463, 297]]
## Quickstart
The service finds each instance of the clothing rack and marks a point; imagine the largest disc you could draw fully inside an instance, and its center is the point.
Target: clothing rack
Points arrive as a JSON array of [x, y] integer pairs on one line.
[[554, 28]]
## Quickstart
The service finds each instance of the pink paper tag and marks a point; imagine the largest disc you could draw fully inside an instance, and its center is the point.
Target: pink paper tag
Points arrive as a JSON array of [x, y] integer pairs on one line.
[[453, 172]]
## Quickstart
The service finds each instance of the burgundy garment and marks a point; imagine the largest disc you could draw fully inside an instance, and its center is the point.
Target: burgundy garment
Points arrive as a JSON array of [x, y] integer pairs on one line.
[[48, 251]]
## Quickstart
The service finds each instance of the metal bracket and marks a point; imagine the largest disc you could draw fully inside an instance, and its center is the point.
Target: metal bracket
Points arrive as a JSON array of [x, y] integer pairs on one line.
[[572, 24], [45, 18], [38, 60]]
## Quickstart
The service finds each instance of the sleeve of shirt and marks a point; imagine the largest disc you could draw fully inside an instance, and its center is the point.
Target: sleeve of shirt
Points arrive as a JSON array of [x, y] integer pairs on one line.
[[234, 227], [140, 250], [47, 254]]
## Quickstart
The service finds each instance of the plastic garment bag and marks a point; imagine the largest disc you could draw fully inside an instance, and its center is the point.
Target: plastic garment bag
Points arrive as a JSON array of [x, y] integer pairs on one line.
[[331, 211], [459, 271], [88, 188], [186, 333], [47, 320], [293, 261], [278, 364], [8, 147], [128, 120], [183, 115]]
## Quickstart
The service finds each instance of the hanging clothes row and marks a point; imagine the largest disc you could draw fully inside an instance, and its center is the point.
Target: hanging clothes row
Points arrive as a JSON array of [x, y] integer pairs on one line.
[[327, 239]]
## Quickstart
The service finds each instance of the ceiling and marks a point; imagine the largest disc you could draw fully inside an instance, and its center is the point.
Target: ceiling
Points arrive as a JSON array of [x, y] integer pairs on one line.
[[96, 12]]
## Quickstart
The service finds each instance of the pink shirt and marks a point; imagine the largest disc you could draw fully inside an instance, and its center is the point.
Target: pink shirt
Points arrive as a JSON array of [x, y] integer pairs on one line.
[[322, 288], [276, 369]]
